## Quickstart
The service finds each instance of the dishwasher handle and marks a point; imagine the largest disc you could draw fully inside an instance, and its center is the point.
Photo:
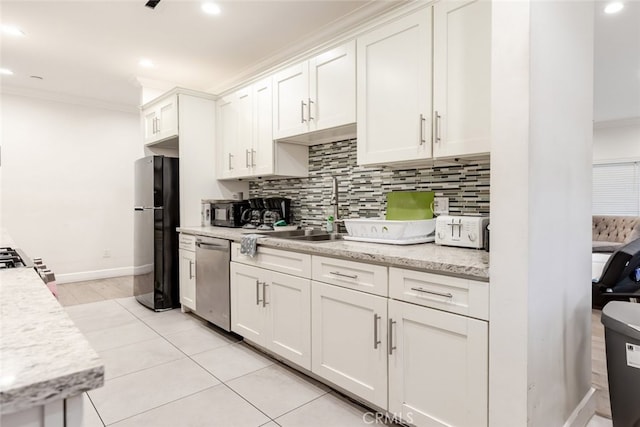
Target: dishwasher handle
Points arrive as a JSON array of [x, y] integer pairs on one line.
[[212, 247]]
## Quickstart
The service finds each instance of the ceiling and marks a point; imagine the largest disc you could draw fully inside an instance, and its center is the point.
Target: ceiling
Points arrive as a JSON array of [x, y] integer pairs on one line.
[[91, 48]]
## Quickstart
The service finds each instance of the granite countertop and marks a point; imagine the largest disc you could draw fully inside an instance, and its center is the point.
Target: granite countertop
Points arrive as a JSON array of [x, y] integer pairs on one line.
[[459, 262], [43, 356]]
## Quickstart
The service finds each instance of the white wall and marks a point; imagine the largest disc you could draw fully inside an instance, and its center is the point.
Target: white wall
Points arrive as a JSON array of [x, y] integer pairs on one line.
[[67, 184], [542, 111], [618, 140]]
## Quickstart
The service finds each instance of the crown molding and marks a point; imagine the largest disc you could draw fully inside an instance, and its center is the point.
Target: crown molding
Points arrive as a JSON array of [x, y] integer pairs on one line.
[[331, 35], [181, 91], [68, 99]]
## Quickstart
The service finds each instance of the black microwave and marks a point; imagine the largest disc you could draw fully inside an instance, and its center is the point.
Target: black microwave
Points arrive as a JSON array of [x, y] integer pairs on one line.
[[228, 213]]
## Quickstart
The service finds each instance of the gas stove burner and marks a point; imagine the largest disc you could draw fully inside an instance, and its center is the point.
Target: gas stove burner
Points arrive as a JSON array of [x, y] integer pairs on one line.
[[12, 258]]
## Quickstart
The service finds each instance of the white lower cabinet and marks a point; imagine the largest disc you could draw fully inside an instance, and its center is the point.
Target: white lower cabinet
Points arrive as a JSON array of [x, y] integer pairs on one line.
[[349, 340], [187, 271], [187, 268], [272, 310], [438, 367]]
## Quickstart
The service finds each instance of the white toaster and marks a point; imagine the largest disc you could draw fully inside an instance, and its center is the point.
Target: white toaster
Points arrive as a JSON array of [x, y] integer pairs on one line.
[[461, 231]]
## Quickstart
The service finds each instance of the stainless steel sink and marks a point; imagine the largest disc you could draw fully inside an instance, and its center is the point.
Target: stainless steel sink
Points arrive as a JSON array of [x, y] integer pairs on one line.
[[305, 235]]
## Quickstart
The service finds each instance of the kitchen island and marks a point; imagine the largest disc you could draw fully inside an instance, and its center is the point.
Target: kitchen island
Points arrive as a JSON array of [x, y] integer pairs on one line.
[[45, 361], [450, 261]]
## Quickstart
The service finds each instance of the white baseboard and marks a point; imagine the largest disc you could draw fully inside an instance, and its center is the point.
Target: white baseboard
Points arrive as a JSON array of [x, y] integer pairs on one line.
[[93, 275], [584, 411]]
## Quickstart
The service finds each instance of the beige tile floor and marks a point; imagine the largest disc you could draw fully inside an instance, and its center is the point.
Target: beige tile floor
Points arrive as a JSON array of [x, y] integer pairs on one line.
[[172, 369]]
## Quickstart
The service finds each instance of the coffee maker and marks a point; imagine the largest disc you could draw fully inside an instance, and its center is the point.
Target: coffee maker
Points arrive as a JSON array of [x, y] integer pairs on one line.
[[252, 217], [265, 212]]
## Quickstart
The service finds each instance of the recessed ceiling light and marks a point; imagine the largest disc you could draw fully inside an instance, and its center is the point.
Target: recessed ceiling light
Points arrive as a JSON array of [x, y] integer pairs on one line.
[[211, 8], [12, 30], [6, 71], [614, 7], [146, 63]]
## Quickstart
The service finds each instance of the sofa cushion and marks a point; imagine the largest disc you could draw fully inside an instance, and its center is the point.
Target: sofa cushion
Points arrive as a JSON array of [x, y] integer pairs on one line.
[[620, 229]]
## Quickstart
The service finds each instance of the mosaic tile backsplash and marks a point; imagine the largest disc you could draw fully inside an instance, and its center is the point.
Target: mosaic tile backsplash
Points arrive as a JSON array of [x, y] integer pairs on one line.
[[362, 190]]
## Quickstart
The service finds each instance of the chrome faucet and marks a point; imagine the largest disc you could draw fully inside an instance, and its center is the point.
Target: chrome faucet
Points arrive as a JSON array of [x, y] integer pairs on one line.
[[334, 197]]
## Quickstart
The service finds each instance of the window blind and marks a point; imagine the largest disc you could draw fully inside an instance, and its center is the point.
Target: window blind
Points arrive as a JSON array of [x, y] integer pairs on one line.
[[616, 189]]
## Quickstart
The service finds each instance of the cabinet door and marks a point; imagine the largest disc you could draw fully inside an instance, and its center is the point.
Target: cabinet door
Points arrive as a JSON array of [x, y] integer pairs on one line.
[[462, 77], [262, 155], [243, 144], [187, 268], [394, 91], [288, 305], [227, 135], [438, 369], [348, 332], [291, 101], [247, 311], [168, 118], [332, 88], [149, 118]]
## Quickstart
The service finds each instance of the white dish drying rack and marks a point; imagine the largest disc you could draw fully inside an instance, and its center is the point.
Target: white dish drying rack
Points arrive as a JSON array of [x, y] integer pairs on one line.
[[394, 232]]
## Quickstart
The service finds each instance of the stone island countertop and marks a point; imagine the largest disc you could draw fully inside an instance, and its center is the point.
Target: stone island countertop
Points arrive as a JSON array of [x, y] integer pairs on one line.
[[43, 356], [459, 262]]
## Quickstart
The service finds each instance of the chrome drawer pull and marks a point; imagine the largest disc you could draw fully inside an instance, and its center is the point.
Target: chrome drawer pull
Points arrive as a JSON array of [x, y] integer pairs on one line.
[[258, 301], [390, 337], [376, 341], [350, 276], [264, 294], [440, 294]]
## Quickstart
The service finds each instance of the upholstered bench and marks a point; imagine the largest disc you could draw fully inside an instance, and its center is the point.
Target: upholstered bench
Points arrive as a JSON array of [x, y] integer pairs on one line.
[[611, 232]]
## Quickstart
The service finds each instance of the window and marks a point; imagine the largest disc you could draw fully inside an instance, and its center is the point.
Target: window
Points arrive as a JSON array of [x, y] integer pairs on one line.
[[616, 189]]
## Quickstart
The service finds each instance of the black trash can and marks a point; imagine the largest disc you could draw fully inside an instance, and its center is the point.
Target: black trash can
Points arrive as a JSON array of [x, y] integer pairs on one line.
[[622, 340]]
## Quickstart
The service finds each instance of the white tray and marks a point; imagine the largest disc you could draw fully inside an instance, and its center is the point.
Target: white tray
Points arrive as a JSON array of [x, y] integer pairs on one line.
[[409, 241]]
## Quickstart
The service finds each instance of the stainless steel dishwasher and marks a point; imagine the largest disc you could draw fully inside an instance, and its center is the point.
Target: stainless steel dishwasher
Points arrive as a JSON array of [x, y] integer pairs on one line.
[[212, 281]]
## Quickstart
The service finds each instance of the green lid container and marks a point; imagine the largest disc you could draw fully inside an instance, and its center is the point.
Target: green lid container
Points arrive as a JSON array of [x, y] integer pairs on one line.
[[409, 205]]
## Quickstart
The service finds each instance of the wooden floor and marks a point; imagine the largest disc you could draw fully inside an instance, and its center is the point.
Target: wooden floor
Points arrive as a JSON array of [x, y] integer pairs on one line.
[[95, 290], [121, 287], [599, 365]]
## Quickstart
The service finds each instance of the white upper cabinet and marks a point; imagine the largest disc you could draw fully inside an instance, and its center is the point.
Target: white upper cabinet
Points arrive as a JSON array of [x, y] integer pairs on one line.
[[291, 101], [262, 146], [462, 77], [394, 91], [161, 120], [316, 95], [227, 136], [245, 137]]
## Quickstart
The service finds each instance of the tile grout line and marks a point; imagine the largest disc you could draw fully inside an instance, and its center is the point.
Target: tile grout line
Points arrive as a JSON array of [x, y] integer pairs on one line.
[[93, 405]]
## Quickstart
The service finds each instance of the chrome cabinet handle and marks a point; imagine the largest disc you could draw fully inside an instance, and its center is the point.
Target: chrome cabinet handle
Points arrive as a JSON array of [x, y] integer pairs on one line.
[[258, 300], [422, 121], [246, 158], [390, 335], [190, 269], [302, 105], [440, 294], [264, 294], [376, 341], [253, 158], [437, 126], [230, 166], [310, 102], [350, 276]]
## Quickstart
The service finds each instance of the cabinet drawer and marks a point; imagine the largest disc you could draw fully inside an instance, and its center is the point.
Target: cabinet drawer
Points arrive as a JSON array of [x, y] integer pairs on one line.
[[351, 274], [187, 242], [287, 262], [453, 294]]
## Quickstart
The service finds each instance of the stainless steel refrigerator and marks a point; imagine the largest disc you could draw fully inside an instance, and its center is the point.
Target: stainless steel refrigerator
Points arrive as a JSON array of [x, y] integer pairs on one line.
[[156, 215]]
